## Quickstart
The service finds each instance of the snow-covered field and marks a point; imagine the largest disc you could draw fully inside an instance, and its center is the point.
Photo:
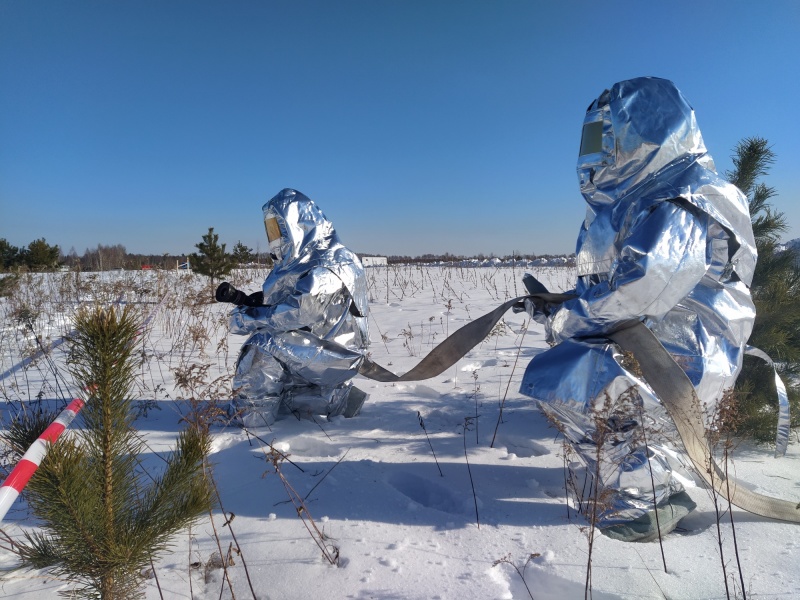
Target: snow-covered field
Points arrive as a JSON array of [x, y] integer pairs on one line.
[[392, 499]]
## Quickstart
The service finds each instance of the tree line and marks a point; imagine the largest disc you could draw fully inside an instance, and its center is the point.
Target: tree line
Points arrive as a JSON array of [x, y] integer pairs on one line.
[[39, 256], [448, 257]]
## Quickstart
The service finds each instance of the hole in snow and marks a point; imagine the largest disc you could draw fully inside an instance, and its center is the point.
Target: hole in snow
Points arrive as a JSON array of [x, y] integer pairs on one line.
[[311, 447], [429, 494], [521, 446]]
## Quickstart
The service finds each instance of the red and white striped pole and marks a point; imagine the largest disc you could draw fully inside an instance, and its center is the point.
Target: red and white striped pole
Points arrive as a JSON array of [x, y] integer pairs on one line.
[[30, 461], [19, 476]]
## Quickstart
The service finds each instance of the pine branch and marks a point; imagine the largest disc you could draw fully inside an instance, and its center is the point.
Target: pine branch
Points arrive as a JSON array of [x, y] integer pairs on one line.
[[752, 159]]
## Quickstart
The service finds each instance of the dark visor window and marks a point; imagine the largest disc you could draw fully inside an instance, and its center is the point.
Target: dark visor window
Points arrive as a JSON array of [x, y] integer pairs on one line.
[[273, 229], [592, 138]]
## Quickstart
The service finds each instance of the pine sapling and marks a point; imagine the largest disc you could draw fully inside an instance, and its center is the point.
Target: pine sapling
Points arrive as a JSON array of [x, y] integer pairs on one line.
[[101, 522], [776, 294]]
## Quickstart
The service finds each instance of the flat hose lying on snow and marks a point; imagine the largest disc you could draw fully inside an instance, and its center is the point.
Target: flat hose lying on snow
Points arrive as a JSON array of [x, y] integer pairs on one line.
[[659, 369]]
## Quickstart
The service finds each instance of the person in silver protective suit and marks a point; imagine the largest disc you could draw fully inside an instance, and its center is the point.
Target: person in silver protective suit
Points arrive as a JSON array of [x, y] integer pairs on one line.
[[665, 241], [307, 327]]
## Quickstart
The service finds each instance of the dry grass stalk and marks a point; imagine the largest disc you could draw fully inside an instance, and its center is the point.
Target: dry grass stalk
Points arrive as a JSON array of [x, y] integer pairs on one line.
[[329, 551], [520, 570]]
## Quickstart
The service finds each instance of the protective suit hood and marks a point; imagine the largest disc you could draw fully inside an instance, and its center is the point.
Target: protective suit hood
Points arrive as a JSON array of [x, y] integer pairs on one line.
[[641, 145], [647, 126], [309, 240]]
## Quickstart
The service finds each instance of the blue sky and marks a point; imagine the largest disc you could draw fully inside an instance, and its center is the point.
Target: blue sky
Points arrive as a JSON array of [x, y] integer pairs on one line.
[[417, 126]]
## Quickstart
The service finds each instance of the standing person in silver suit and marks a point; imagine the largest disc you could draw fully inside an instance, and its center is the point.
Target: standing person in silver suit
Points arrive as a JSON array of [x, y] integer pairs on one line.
[[308, 324], [665, 241]]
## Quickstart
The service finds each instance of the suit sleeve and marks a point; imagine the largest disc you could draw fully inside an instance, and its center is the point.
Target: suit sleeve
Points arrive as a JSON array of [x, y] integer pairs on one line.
[[309, 307], [661, 259]]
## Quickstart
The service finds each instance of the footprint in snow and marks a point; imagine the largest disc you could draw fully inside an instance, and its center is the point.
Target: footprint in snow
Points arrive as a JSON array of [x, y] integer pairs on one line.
[[478, 364], [308, 446], [420, 390], [429, 494], [223, 442], [521, 446]]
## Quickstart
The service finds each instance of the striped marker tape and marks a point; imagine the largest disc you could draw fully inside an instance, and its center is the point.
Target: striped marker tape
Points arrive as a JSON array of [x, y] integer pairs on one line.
[[30, 461], [19, 476]]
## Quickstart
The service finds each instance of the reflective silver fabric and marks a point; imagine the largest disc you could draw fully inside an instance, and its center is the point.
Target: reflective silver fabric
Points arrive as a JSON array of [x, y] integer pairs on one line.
[[784, 421], [305, 342], [667, 241]]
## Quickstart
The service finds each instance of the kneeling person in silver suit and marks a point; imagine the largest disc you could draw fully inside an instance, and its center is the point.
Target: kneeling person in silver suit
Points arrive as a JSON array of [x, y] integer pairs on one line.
[[665, 241], [308, 324]]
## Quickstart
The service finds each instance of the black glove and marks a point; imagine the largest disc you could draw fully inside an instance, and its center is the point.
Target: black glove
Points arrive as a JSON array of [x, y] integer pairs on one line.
[[255, 299], [533, 285], [227, 293], [534, 306]]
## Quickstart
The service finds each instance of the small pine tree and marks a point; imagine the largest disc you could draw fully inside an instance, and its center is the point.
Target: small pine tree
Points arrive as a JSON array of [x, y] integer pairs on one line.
[[41, 256], [776, 294], [242, 254], [9, 255], [212, 261], [101, 519]]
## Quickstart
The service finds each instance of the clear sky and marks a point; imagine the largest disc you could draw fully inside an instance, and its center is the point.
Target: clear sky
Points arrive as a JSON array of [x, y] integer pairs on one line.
[[418, 127]]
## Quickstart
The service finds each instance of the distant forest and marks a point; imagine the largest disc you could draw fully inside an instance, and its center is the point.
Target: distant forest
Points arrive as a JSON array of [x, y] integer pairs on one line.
[[447, 257], [41, 256], [105, 258]]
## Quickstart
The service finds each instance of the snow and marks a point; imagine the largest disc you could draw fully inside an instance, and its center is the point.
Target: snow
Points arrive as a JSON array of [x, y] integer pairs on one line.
[[395, 500]]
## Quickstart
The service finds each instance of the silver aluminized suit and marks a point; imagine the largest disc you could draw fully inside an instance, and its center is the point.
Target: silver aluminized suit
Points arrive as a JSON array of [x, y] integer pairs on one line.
[[306, 341], [666, 241]]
